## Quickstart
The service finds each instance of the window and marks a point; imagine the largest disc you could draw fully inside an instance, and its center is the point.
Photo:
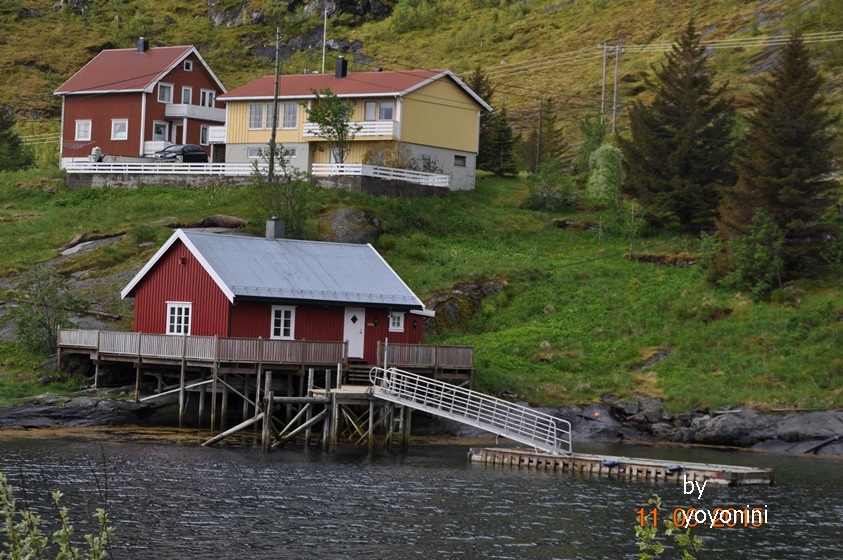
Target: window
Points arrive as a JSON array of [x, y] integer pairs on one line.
[[188, 66], [254, 153], [178, 317], [291, 115], [396, 322], [288, 153], [459, 161], [83, 130], [203, 135], [269, 115], [283, 321], [207, 97], [255, 116], [165, 93], [119, 129], [371, 110], [386, 111], [186, 95]]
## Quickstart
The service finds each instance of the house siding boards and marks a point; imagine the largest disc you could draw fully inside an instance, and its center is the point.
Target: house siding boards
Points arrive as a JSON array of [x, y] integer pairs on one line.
[[100, 110], [172, 281], [440, 114]]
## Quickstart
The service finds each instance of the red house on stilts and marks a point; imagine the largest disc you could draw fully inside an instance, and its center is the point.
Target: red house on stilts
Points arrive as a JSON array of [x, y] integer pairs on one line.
[[206, 284]]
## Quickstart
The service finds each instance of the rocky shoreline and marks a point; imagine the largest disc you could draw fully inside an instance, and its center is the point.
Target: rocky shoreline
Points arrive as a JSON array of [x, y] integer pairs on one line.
[[640, 420]]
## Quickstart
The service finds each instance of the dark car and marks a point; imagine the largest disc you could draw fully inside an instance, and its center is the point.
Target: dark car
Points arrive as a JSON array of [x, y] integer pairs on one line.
[[188, 153]]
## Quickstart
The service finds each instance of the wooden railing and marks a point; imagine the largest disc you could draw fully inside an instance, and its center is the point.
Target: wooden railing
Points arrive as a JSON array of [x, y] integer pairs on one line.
[[426, 356], [205, 348]]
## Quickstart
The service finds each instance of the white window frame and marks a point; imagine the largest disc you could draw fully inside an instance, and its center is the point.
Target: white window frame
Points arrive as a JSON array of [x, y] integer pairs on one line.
[[165, 127], [269, 113], [83, 130], [290, 153], [165, 92], [207, 97], [396, 321], [281, 331], [382, 107], [186, 92], [290, 118], [371, 111], [255, 152], [460, 161], [203, 135], [179, 317], [255, 116], [188, 66], [119, 132]]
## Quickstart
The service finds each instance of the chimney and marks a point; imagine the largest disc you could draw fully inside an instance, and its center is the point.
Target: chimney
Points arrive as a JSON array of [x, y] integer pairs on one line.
[[274, 228], [143, 45], [342, 67]]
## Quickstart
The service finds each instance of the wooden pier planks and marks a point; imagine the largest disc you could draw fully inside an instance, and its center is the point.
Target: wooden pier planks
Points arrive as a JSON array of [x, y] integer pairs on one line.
[[630, 468]]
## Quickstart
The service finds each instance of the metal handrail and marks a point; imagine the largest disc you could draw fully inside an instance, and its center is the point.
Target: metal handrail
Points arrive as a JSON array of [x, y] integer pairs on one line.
[[513, 421]]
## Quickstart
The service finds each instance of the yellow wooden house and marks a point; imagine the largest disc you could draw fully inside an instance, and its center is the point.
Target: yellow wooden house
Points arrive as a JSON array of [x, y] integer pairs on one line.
[[419, 126]]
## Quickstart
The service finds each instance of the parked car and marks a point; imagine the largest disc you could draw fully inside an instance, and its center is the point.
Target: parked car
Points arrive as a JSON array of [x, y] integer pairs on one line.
[[188, 153]]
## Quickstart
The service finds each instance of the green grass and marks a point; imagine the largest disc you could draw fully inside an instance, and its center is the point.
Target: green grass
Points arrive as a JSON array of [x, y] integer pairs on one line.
[[577, 319]]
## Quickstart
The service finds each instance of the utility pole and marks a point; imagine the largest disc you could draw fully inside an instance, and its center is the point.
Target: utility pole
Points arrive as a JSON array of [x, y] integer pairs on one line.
[[324, 36], [272, 145], [539, 136], [603, 91], [615, 98]]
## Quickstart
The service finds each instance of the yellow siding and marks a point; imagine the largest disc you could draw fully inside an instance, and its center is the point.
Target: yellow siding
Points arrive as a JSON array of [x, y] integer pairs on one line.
[[237, 127], [440, 114]]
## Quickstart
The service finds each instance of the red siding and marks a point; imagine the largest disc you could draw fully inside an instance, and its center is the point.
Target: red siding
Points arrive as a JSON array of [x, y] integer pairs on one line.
[[100, 110], [178, 276], [318, 322]]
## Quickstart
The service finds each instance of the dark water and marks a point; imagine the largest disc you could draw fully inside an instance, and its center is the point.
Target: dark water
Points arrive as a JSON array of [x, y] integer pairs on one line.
[[178, 501]]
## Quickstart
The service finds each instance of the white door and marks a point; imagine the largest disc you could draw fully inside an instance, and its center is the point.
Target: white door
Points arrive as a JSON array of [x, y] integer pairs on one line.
[[355, 323]]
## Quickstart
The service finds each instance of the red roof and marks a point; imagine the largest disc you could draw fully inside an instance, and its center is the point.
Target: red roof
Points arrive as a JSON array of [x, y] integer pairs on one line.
[[127, 70], [355, 84]]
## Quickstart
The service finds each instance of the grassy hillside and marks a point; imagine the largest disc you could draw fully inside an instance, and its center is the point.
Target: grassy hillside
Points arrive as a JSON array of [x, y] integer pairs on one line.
[[577, 319], [533, 50]]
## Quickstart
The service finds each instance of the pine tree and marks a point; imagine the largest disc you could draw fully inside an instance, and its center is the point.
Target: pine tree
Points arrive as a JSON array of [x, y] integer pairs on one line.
[[680, 152], [544, 141], [785, 164], [14, 154], [502, 145], [480, 84]]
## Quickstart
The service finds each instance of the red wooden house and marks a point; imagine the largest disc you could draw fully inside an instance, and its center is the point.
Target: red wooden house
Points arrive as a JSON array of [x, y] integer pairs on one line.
[[236, 286], [134, 102]]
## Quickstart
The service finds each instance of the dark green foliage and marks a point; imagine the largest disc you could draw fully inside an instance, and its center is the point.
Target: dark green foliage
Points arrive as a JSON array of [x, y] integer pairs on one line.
[[756, 257], [502, 146], [680, 151], [785, 164], [593, 132], [14, 155], [43, 309], [544, 141], [480, 84], [551, 188]]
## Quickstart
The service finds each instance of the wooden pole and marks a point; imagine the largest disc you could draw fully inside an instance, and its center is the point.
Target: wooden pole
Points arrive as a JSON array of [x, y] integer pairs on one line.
[[268, 405], [182, 383], [224, 411], [308, 434], [371, 426], [405, 441], [201, 390], [214, 385], [335, 421]]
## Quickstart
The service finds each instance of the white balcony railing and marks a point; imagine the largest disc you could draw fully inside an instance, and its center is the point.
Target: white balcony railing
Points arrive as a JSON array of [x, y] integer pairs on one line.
[[388, 173], [216, 135], [389, 129], [184, 111]]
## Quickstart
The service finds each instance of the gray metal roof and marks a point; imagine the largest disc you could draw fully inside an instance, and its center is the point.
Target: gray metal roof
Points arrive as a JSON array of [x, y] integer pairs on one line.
[[254, 267]]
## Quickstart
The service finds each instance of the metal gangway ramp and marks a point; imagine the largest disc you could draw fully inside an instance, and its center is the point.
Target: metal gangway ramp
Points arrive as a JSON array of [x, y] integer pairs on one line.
[[513, 421]]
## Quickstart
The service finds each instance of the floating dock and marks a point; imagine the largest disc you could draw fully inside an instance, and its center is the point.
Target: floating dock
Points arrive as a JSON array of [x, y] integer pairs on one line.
[[626, 468]]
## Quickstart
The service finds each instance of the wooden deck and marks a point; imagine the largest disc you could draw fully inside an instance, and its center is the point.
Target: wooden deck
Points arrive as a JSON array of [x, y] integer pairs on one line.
[[628, 468]]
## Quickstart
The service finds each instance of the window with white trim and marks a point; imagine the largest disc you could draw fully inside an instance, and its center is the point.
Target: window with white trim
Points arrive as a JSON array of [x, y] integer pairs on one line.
[[289, 153], [255, 116], [371, 110], [178, 317], [254, 153], [186, 95], [83, 130], [291, 115], [387, 111], [188, 66], [207, 97], [119, 129], [165, 93], [459, 161], [283, 322], [269, 112], [203, 135], [396, 322]]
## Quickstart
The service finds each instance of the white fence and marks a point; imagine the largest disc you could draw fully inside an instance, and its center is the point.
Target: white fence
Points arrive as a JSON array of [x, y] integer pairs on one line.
[[388, 173], [131, 168]]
